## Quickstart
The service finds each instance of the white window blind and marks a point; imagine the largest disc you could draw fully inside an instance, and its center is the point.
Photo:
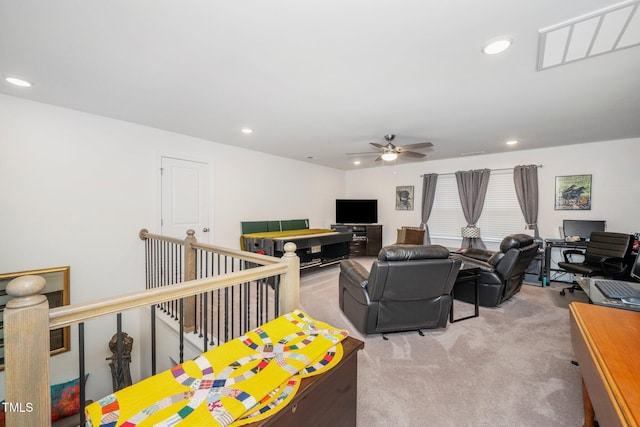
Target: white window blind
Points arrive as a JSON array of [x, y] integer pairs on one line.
[[446, 217], [500, 217]]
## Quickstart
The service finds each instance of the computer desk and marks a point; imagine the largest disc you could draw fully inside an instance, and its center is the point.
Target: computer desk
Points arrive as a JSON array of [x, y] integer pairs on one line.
[[549, 245], [607, 347]]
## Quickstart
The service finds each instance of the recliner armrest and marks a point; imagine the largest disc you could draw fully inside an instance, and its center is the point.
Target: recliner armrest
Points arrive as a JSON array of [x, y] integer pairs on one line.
[[354, 279], [484, 266], [355, 272], [478, 254]]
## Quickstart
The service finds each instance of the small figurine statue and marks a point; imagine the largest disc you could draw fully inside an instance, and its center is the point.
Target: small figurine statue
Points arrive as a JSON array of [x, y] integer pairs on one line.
[[120, 372]]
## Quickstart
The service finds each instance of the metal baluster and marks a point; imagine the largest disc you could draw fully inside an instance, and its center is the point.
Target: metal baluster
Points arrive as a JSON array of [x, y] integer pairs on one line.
[[204, 326], [181, 331], [173, 276], [267, 291], [201, 297], [226, 314], [247, 306], [233, 288], [211, 342], [119, 361], [83, 401], [276, 297]]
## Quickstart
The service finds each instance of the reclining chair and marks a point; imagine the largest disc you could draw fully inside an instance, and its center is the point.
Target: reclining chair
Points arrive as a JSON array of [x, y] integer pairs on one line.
[[607, 254], [407, 289], [501, 273]]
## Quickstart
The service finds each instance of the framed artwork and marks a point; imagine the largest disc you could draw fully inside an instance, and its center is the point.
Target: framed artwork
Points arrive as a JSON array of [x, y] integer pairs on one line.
[[404, 198], [57, 292], [573, 192]]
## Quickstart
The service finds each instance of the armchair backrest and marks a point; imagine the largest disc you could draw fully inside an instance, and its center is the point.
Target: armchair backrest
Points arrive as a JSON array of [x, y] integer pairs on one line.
[[412, 272], [519, 250], [603, 244]]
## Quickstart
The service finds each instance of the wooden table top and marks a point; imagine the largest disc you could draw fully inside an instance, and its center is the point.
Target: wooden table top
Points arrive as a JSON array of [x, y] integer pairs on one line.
[[613, 339]]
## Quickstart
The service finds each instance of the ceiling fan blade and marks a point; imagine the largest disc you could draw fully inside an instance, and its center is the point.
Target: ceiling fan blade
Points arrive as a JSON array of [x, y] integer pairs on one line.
[[417, 146], [378, 159], [380, 146], [411, 154]]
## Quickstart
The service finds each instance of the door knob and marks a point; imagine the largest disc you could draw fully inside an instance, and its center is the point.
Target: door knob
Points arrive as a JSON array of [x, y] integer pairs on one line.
[[205, 230]]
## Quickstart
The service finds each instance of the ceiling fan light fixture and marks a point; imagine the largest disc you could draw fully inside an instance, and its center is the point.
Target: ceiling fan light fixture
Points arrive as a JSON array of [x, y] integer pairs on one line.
[[389, 156]]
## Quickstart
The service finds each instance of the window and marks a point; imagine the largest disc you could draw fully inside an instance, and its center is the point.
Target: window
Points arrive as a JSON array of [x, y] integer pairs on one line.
[[500, 217]]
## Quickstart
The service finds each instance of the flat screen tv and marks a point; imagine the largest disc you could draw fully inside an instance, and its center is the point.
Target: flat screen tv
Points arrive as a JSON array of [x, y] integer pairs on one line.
[[356, 211]]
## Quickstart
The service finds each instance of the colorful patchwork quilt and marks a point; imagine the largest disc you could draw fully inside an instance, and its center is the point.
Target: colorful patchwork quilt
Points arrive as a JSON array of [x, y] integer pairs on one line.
[[240, 382]]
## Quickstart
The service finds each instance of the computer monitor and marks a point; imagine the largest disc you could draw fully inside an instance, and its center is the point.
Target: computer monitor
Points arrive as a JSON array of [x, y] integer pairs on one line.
[[581, 228], [635, 268]]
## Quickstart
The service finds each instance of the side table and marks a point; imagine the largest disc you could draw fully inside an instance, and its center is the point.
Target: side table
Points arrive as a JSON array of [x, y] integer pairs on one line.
[[467, 273]]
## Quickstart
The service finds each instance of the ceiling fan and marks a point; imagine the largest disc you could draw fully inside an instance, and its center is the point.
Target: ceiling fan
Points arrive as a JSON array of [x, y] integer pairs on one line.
[[391, 152]]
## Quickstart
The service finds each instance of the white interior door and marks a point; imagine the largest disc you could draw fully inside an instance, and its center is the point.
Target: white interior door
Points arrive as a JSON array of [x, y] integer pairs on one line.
[[185, 198]]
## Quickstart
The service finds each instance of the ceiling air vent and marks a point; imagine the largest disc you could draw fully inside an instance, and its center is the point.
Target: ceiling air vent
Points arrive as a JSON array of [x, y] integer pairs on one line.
[[472, 153], [603, 31]]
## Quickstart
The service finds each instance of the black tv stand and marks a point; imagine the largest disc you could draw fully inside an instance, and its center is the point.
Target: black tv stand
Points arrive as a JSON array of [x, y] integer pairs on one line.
[[367, 238]]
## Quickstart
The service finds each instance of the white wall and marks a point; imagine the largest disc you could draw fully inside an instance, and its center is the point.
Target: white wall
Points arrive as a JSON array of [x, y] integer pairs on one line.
[[77, 188], [613, 164]]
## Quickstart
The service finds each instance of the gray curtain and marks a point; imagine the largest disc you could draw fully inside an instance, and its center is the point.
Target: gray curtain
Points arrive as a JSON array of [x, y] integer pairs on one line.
[[525, 179], [472, 188], [428, 195]]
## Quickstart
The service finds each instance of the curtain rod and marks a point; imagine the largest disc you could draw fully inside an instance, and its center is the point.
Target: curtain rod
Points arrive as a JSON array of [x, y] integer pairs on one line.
[[492, 170]]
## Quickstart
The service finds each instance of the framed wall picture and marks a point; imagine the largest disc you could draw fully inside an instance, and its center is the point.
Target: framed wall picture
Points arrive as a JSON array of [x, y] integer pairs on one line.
[[57, 292], [573, 192], [404, 198]]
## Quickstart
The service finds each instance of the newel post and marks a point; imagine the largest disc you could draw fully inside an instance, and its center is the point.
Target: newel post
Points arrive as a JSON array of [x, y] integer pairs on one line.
[[26, 341], [189, 274], [290, 282]]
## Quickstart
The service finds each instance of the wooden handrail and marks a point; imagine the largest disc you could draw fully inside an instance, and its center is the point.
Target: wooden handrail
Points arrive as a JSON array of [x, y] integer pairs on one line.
[[144, 234], [70, 314], [243, 255]]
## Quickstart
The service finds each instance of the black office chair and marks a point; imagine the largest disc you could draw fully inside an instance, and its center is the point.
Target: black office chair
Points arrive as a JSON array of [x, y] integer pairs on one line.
[[607, 254]]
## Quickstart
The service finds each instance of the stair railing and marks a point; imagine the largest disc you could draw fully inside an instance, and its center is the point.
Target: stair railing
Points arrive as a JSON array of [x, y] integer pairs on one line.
[[28, 320]]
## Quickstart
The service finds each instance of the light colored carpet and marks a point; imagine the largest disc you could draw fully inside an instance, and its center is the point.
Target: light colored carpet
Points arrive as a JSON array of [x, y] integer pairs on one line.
[[564, 300], [509, 367]]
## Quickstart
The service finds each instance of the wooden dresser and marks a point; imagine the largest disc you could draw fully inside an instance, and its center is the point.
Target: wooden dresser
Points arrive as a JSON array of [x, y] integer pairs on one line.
[[328, 399]]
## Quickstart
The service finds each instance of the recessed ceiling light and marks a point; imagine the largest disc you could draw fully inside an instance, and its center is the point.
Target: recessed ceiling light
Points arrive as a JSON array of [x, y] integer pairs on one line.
[[497, 45], [512, 142], [247, 130], [18, 82], [356, 162]]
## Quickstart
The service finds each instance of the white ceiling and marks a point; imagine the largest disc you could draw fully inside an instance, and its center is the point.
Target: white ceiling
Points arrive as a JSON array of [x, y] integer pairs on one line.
[[322, 78]]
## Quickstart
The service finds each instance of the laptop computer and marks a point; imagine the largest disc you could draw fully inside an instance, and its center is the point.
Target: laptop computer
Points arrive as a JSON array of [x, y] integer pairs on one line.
[[596, 295]]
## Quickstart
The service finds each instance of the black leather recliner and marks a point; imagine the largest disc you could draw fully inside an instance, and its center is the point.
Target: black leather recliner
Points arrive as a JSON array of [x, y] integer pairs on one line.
[[408, 288], [501, 273]]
